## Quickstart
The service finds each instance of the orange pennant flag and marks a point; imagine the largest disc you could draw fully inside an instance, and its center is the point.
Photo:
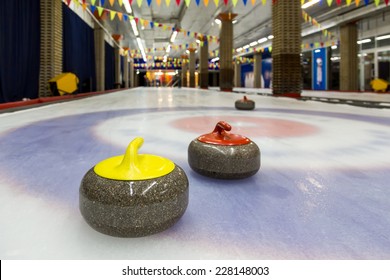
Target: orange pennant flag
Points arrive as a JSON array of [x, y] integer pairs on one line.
[[120, 16], [84, 6], [206, 2], [159, 2], [357, 2], [253, 2], [112, 2]]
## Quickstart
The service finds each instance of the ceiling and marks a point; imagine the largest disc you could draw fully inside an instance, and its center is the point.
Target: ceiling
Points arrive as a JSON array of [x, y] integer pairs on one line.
[[253, 21]]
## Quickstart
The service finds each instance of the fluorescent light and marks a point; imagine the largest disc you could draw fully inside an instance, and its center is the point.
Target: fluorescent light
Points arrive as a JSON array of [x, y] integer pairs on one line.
[[134, 26], [127, 7], [383, 37], [246, 47], [309, 4], [234, 21], [198, 41], [262, 40], [168, 48], [364, 41], [317, 51], [217, 21], [270, 37], [141, 47], [253, 44], [165, 58], [215, 59], [334, 47], [173, 36], [239, 49], [187, 51]]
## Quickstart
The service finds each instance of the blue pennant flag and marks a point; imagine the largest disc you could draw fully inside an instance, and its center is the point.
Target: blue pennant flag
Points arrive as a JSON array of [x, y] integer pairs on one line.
[[93, 8], [149, 2]]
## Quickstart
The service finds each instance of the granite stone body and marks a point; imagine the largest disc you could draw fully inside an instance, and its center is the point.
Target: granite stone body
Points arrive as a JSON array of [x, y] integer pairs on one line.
[[224, 161], [245, 104], [133, 208]]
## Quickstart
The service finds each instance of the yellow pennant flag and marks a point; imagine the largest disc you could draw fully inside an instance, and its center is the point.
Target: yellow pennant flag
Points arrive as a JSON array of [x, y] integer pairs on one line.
[[357, 2], [234, 2], [120, 16], [349, 2], [253, 2], [216, 3], [120, 2], [112, 2], [377, 2], [76, 3], [139, 2], [93, 2], [167, 2], [206, 2], [330, 2], [302, 2], [112, 15], [100, 10], [159, 2], [188, 2], [264, 2]]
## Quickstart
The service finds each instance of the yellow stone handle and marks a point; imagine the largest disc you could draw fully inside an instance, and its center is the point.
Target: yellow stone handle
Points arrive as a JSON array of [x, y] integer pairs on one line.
[[130, 159]]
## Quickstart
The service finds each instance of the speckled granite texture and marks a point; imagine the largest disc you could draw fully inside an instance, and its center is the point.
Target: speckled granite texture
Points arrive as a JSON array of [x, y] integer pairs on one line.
[[224, 162], [133, 208], [245, 104]]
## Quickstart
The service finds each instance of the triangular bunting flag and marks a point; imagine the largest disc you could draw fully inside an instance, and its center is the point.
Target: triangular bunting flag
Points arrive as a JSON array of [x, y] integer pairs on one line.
[[149, 2], [159, 2], [357, 2], [102, 2], [264, 2], [136, 20], [197, 2], [139, 2], [76, 3], [68, 2], [366, 2], [226, 2], [120, 2], [151, 24], [329, 2], [112, 15], [84, 6], [120, 16], [93, 8], [253, 2], [349, 2], [216, 2], [111, 2], [338, 2], [187, 2], [125, 17], [93, 2], [206, 2], [387, 2], [167, 2], [377, 2], [234, 2], [245, 1], [100, 10], [178, 2]]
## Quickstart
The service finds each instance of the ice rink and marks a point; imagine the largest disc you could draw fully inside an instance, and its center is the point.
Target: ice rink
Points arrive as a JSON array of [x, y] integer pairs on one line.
[[322, 192]]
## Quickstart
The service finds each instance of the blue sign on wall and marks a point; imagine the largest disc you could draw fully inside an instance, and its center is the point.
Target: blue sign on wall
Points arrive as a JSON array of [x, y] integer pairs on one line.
[[319, 69]]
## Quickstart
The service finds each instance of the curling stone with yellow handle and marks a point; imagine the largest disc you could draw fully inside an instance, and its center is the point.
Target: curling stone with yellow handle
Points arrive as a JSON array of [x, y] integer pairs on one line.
[[133, 195]]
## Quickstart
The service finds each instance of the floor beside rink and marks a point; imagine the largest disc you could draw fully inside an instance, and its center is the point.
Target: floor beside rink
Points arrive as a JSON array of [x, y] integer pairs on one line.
[[322, 191]]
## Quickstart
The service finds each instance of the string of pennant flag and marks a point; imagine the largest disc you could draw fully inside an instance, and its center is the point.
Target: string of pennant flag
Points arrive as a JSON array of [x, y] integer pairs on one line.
[[216, 2]]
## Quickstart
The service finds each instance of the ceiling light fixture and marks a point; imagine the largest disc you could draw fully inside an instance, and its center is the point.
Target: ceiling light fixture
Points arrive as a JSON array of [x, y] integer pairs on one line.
[[253, 44], [270, 37], [246, 47], [168, 48], [173, 36], [141, 47], [262, 40], [309, 4], [218, 21], [364, 41], [127, 7], [215, 59], [134, 26], [383, 37]]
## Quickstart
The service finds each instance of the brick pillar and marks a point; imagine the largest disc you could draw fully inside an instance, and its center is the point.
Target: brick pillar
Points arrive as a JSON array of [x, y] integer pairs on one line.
[[132, 78], [126, 71], [257, 70], [226, 71], [192, 67], [118, 74], [100, 55], [349, 79], [204, 64], [237, 73], [184, 69], [51, 44], [286, 47]]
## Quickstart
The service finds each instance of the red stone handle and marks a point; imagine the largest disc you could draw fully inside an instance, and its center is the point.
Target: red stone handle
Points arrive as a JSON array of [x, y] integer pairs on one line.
[[245, 99], [222, 127]]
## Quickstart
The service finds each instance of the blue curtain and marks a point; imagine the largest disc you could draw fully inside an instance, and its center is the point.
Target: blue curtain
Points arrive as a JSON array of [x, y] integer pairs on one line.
[[109, 67], [78, 49], [19, 50]]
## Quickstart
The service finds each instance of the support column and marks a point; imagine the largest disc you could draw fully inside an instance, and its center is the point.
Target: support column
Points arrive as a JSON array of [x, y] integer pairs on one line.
[[237, 73], [192, 67], [286, 47], [257, 70], [132, 79], [126, 71], [51, 44], [118, 75], [226, 52], [100, 55], [349, 79], [184, 69], [204, 64]]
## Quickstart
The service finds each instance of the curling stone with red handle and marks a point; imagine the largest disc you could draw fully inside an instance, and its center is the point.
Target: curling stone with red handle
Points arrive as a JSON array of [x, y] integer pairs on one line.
[[134, 194], [245, 104], [224, 155]]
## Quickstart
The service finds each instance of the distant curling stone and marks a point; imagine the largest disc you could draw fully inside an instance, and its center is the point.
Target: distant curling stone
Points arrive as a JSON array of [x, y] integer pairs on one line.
[[223, 155], [133, 195], [245, 104]]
